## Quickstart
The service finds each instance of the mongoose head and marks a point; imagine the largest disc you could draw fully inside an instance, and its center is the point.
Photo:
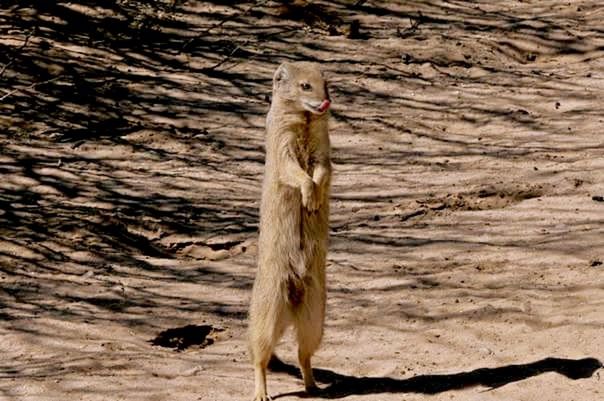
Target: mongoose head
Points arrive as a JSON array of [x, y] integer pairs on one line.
[[301, 86]]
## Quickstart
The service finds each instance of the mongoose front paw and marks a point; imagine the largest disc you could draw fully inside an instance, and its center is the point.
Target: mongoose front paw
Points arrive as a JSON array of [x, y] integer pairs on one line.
[[309, 198]]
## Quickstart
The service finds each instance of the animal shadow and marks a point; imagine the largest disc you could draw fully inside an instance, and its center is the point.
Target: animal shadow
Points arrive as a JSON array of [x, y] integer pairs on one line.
[[340, 386]]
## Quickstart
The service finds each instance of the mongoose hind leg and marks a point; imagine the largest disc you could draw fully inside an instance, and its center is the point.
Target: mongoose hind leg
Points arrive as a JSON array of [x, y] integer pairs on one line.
[[268, 321], [304, 356], [262, 348], [309, 331], [260, 379]]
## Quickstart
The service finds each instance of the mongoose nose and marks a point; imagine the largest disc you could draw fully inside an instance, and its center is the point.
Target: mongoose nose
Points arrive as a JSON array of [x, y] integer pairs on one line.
[[324, 105]]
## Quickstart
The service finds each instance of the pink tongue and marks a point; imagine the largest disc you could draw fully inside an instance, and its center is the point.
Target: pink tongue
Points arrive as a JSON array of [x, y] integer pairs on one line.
[[324, 105]]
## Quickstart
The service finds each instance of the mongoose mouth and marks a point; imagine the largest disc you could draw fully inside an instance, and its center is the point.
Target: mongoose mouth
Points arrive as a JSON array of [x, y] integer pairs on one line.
[[324, 106], [317, 109]]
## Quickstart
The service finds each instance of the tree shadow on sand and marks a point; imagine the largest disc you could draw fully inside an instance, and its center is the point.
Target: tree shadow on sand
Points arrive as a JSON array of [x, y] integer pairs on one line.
[[340, 386]]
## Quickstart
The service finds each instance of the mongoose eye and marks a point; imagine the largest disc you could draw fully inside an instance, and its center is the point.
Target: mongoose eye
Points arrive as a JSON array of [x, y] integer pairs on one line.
[[305, 86]]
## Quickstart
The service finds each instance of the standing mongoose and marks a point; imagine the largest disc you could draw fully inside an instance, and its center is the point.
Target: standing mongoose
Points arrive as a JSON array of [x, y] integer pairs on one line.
[[289, 289]]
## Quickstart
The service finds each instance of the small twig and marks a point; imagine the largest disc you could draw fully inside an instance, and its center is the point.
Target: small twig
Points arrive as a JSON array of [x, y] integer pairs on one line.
[[25, 42], [224, 60], [415, 23], [222, 22], [28, 87], [6, 66], [231, 17]]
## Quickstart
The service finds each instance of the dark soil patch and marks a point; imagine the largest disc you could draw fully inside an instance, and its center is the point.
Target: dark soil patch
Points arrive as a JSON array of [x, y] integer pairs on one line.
[[181, 338]]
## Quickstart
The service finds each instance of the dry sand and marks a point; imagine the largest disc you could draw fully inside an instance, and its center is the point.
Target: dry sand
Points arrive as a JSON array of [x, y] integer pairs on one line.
[[467, 234]]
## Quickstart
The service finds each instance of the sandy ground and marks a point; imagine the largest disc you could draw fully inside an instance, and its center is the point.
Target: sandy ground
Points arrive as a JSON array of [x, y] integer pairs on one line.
[[467, 234]]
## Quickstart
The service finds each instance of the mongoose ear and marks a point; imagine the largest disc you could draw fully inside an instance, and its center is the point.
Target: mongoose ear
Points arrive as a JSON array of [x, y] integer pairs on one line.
[[282, 73]]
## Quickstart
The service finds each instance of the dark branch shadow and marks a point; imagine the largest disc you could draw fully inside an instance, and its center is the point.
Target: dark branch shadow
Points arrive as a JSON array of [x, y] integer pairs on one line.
[[340, 386]]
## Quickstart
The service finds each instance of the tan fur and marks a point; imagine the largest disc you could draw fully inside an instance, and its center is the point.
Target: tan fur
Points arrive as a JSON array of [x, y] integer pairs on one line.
[[290, 282]]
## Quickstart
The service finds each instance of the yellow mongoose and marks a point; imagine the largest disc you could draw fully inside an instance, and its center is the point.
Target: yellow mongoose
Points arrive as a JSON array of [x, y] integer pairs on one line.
[[290, 282]]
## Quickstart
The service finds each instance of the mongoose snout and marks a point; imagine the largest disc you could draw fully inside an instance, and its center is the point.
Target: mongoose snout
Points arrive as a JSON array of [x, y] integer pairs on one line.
[[322, 108]]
